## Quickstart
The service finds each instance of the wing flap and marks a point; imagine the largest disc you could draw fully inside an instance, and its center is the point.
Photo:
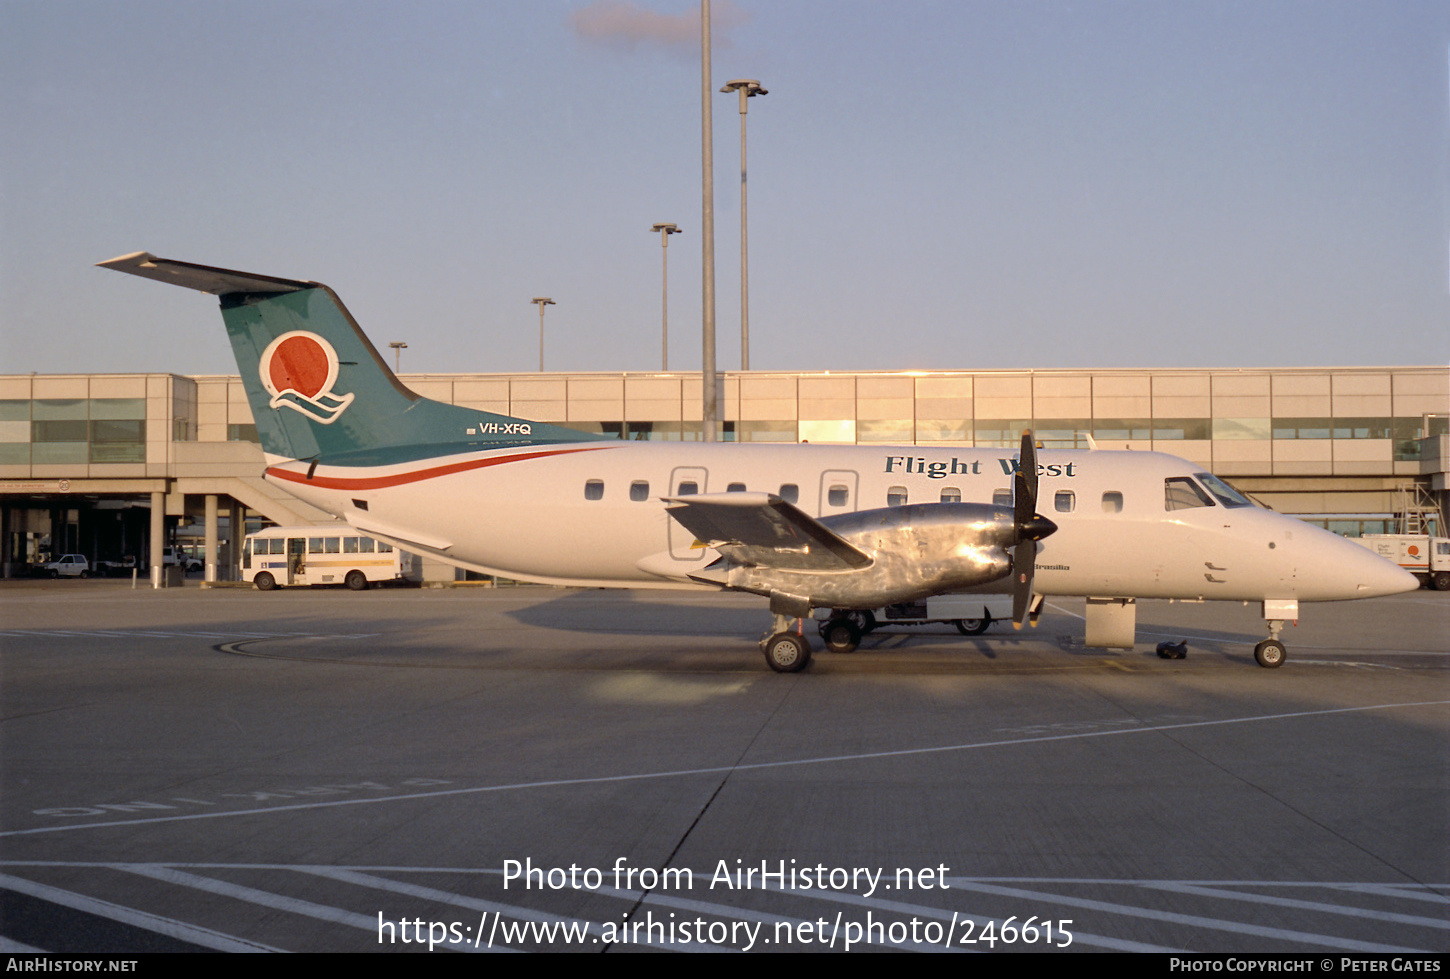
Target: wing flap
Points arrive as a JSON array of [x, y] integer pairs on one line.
[[763, 530]]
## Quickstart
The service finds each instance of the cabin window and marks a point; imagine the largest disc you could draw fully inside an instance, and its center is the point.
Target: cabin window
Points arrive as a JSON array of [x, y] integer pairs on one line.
[[896, 496], [1182, 493], [1064, 501], [838, 495], [951, 494], [790, 492], [1112, 502], [594, 489], [639, 490], [1002, 497], [735, 488], [689, 488]]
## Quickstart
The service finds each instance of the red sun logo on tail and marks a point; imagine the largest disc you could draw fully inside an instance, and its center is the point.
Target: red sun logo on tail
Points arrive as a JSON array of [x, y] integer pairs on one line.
[[299, 369]]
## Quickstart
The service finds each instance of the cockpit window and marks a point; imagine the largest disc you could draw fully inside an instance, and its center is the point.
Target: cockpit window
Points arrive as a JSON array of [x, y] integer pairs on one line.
[[1226, 494], [1182, 493]]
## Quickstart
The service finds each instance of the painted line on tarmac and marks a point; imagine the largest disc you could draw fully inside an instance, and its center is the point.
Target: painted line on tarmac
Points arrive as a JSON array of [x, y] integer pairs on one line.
[[723, 769], [180, 930], [1288, 902], [1192, 920], [251, 895]]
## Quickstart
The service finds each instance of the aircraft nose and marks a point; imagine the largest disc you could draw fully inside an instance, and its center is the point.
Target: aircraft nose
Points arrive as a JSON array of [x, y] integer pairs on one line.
[[1370, 575]]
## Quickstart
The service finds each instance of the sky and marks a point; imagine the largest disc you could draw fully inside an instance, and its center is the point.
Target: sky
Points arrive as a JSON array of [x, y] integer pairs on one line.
[[958, 185]]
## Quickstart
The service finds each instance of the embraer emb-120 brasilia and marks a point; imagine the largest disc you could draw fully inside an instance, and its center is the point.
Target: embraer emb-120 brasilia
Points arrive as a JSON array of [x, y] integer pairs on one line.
[[807, 526]]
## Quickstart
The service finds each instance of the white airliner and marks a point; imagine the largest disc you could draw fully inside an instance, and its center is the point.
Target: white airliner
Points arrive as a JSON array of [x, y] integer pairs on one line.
[[807, 526]]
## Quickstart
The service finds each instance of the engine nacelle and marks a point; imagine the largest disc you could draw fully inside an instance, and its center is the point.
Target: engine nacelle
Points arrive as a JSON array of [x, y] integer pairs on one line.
[[916, 551]]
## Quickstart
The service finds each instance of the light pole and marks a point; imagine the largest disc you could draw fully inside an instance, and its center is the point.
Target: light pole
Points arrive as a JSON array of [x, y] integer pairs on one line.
[[398, 348], [541, 302], [710, 405], [665, 231], [748, 88]]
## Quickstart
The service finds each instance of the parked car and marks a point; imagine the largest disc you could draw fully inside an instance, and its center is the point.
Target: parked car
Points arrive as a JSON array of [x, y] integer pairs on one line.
[[67, 566]]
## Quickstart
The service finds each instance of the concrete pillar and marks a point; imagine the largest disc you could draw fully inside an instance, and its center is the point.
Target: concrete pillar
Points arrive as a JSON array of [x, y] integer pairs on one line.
[[209, 562], [236, 532], [158, 536]]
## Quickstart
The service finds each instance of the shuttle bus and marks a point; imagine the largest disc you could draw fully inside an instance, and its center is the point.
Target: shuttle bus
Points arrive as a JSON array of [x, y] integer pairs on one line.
[[282, 556]]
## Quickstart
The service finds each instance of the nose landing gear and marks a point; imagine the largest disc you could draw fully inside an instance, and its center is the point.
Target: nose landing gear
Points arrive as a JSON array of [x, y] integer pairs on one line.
[[1271, 653]]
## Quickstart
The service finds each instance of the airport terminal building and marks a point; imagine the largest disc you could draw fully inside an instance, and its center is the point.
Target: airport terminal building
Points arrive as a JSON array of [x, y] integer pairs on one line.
[[118, 466]]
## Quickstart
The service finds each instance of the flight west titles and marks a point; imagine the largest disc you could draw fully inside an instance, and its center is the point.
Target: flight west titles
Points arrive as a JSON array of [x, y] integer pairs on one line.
[[971, 467]]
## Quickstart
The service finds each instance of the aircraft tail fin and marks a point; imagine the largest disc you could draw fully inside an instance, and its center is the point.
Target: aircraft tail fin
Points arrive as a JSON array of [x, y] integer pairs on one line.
[[316, 384]]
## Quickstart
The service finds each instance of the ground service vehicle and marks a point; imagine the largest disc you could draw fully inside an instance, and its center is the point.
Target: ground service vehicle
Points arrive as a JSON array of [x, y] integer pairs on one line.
[[67, 566], [972, 615], [281, 556]]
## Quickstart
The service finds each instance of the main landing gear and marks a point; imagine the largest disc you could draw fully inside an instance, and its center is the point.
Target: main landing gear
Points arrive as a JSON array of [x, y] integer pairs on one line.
[[842, 632], [786, 651]]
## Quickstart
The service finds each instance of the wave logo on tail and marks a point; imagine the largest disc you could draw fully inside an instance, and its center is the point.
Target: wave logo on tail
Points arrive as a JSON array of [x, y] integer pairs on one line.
[[299, 369]]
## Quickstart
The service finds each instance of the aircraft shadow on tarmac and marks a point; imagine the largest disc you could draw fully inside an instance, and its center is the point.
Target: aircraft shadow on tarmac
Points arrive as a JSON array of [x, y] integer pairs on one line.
[[631, 614]]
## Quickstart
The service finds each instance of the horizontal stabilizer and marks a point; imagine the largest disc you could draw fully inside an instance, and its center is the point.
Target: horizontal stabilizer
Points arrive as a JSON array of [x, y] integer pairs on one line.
[[763, 530], [203, 278]]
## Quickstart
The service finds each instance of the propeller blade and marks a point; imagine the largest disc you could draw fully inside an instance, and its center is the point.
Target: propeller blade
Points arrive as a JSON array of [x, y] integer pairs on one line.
[[1031, 527], [1024, 483], [1024, 556]]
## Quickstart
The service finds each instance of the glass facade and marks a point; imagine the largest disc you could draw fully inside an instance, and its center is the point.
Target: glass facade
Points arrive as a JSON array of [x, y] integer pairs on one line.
[[76, 431]]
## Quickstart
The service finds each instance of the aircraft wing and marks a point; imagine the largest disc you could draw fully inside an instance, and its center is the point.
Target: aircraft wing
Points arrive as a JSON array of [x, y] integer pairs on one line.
[[763, 530]]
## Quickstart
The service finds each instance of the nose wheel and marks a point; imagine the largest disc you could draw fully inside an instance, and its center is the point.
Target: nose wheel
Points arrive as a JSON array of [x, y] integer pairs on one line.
[[1271, 653]]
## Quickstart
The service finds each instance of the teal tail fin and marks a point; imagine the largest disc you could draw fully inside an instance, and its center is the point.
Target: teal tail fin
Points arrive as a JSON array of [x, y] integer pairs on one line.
[[317, 386]]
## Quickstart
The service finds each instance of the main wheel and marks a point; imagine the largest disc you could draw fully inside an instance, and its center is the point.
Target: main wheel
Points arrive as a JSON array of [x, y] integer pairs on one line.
[[864, 620], [786, 652], [975, 627], [841, 635], [356, 580], [264, 581], [1270, 653]]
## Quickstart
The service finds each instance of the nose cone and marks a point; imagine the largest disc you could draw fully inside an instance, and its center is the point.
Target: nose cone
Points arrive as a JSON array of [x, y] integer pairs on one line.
[[1357, 572]]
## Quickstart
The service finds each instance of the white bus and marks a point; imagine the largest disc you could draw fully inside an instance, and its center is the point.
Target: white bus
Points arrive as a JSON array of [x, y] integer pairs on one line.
[[280, 556]]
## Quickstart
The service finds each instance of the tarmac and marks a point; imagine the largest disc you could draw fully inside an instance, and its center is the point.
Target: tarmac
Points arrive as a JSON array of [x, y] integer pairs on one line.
[[537, 768]]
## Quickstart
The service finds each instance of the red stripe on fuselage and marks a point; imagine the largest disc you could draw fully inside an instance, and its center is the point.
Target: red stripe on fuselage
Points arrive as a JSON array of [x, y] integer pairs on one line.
[[398, 479]]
